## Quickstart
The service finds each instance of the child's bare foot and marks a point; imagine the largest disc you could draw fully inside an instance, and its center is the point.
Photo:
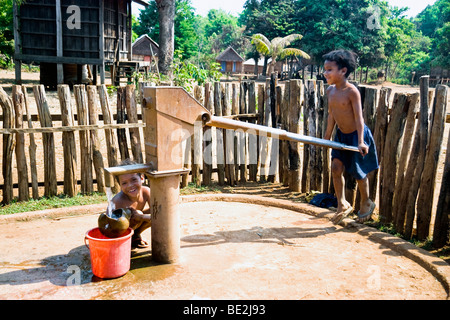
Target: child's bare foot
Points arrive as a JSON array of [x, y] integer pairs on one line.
[[365, 213], [342, 213]]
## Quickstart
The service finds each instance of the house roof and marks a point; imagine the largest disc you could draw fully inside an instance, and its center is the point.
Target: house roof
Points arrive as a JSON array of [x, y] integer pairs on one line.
[[229, 54], [251, 62], [142, 46], [141, 2]]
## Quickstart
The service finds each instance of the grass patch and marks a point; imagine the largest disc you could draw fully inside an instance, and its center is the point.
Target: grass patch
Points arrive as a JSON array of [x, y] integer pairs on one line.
[[59, 201]]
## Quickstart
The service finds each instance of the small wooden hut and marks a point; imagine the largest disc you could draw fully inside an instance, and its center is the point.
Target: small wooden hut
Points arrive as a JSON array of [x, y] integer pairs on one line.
[[66, 35], [230, 61]]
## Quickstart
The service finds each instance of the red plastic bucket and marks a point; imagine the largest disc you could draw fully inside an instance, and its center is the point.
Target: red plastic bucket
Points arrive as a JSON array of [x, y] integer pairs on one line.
[[110, 257]]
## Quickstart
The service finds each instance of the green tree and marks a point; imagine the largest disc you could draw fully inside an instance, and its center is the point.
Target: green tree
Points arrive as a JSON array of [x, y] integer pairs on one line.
[[185, 35], [276, 49], [6, 33], [434, 22]]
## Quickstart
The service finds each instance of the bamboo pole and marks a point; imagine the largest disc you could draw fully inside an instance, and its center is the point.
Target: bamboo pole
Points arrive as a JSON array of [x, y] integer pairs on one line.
[[68, 141]]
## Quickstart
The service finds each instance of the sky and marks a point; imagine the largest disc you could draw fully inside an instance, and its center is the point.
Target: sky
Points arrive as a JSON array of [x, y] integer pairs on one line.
[[236, 6]]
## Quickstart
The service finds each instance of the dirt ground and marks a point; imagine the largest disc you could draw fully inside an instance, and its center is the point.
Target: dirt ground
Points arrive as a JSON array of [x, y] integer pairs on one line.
[[233, 247]]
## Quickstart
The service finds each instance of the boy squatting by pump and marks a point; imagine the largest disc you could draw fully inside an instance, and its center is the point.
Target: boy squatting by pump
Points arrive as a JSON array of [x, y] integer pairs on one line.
[[345, 111], [136, 197]]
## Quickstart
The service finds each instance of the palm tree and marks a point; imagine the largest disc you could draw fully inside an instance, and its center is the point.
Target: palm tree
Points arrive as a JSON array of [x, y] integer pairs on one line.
[[277, 48]]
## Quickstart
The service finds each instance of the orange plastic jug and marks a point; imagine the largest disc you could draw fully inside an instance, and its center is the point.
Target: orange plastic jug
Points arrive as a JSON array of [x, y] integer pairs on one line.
[[110, 257]]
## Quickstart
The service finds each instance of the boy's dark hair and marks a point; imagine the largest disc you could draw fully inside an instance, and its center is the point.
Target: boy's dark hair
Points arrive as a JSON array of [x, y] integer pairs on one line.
[[126, 162], [343, 59]]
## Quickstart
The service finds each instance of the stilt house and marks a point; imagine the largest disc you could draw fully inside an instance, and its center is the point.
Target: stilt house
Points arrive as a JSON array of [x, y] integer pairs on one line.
[[65, 36]]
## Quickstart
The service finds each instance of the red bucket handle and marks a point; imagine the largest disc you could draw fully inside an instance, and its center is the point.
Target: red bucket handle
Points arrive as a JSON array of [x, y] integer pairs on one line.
[[86, 244]]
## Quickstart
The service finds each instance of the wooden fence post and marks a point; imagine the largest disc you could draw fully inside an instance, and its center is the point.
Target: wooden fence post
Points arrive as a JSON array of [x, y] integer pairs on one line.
[[274, 142], [391, 152], [121, 133], [228, 138], [369, 115], [22, 170], [319, 133], [48, 141], [264, 140], [242, 136], [295, 102], [31, 150], [252, 138], [284, 147], [326, 152], [379, 136], [427, 183], [219, 134], [419, 151], [97, 158], [207, 139], [85, 146], [68, 141], [132, 117], [309, 129], [8, 146], [398, 215], [197, 143], [441, 222], [110, 137]]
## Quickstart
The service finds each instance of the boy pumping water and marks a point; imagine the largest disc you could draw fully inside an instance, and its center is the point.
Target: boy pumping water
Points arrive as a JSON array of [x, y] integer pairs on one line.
[[345, 111]]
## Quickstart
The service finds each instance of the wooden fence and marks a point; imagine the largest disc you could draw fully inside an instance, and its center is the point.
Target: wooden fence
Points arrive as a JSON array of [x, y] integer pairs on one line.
[[408, 135]]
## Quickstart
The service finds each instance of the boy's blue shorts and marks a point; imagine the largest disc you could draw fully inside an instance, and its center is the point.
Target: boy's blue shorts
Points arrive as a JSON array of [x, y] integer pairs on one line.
[[354, 163]]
